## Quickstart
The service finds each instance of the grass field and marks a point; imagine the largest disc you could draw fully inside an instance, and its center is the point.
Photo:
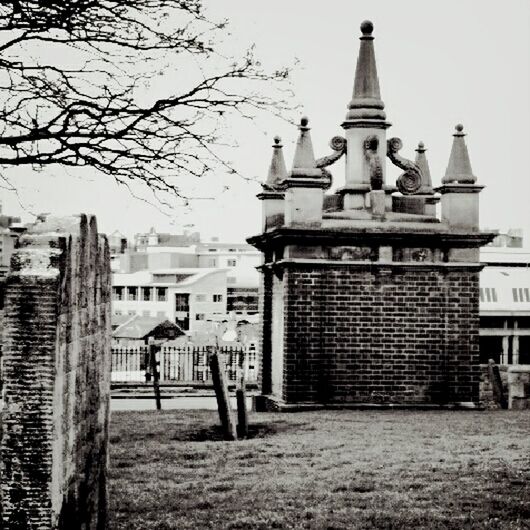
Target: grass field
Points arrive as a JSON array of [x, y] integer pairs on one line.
[[322, 470]]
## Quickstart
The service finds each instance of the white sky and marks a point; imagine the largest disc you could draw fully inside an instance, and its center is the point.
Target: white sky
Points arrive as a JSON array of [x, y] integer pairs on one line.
[[439, 63]]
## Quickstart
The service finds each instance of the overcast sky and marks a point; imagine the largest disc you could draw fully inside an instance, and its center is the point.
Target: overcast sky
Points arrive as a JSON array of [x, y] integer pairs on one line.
[[439, 63]]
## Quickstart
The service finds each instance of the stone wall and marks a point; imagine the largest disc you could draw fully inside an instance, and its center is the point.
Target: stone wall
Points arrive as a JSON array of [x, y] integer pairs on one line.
[[56, 371], [380, 334]]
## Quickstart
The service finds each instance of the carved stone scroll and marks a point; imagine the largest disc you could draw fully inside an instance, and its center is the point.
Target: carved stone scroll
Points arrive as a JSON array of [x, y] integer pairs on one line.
[[338, 144], [410, 181]]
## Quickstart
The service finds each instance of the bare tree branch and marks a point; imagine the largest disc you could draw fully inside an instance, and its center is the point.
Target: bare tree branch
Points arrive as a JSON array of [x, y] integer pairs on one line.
[[76, 83]]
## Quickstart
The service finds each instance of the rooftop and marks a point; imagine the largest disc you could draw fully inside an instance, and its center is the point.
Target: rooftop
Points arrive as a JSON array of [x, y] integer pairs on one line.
[[138, 327], [149, 277]]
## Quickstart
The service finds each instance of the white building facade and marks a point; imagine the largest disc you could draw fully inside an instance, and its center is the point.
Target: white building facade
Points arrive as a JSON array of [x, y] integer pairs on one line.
[[505, 305], [186, 296]]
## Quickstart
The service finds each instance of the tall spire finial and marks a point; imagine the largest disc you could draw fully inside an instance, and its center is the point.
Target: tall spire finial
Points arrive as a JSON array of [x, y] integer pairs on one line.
[[459, 167], [304, 164], [423, 164], [277, 169], [366, 102]]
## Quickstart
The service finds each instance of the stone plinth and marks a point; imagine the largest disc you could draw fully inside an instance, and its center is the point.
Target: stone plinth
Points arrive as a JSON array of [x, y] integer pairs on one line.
[[366, 317], [519, 386]]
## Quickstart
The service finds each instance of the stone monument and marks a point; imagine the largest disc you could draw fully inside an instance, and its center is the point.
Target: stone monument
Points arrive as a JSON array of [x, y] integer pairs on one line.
[[367, 298]]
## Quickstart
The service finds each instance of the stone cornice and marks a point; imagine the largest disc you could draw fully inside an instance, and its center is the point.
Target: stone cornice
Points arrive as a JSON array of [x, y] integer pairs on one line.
[[371, 265], [306, 182], [364, 123], [459, 188], [278, 195], [368, 236], [363, 188]]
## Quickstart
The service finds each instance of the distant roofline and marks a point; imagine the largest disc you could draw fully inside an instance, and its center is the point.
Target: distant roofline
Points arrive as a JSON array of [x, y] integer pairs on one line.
[[146, 277]]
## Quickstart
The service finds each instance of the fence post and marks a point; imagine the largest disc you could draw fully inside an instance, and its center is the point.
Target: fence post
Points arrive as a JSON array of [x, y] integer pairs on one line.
[[156, 376], [147, 363], [223, 401], [241, 397]]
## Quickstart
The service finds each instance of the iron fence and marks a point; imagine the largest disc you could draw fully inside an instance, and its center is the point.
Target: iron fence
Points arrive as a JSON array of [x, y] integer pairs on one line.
[[182, 364]]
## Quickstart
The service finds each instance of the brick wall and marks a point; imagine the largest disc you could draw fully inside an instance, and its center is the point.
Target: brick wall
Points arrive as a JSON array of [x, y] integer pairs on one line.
[[380, 334], [56, 371]]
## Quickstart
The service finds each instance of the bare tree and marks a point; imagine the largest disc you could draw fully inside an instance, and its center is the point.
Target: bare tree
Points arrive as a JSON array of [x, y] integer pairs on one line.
[[85, 83]]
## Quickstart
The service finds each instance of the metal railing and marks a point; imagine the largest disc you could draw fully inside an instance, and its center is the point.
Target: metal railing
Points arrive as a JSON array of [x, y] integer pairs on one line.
[[182, 364]]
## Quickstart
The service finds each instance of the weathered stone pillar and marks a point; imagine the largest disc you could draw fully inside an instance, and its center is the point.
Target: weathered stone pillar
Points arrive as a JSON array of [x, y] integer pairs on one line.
[[56, 355]]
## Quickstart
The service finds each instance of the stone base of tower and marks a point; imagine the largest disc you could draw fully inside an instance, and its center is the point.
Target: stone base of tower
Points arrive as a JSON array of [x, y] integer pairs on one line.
[[269, 403], [381, 328]]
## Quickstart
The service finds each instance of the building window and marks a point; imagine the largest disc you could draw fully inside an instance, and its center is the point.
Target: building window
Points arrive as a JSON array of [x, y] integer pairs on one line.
[[132, 293], [182, 302], [217, 297], [131, 312], [200, 298], [231, 262], [212, 250], [212, 262], [161, 294], [117, 293], [147, 295], [200, 316], [521, 294], [488, 294], [117, 312]]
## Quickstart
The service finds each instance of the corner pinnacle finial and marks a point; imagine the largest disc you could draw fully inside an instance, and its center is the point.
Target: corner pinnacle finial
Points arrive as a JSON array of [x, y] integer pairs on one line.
[[459, 167], [459, 128], [367, 28], [304, 163], [423, 164], [277, 169]]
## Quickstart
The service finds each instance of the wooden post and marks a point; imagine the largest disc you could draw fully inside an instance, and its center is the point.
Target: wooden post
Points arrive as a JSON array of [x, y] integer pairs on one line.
[[147, 363], [241, 397], [155, 373], [242, 415], [223, 401], [496, 384]]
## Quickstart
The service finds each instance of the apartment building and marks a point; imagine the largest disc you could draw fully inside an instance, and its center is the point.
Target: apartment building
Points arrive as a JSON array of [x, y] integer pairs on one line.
[[505, 305], [187, 296]]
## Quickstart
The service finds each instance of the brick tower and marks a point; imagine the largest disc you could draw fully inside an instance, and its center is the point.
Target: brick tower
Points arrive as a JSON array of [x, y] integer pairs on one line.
[[367, 298]]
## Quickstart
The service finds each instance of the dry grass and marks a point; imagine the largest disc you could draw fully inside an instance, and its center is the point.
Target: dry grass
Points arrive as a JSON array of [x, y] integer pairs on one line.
[[322, 470]]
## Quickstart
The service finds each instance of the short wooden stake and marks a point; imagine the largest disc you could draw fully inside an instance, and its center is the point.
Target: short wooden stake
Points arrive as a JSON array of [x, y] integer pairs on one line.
[[223, 401], [155, 374], [241, 398], [242, 417]]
